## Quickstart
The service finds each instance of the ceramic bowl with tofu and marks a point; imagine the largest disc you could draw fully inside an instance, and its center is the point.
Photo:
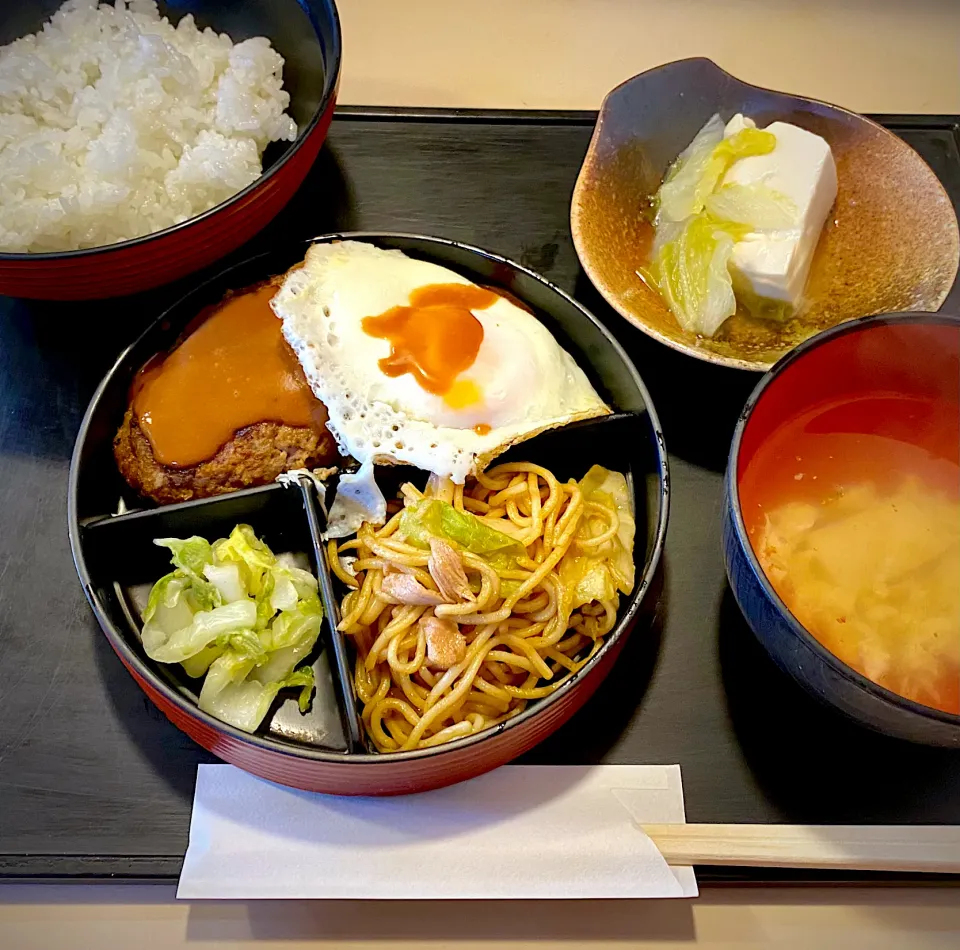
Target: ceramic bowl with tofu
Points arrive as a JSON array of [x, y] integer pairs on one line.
[[834, 216]]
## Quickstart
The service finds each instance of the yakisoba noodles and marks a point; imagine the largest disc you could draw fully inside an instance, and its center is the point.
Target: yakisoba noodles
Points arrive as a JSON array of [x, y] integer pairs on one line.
[[473, 600]]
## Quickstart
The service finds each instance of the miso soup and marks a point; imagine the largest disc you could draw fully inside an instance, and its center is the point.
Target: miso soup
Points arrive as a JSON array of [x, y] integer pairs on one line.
[[853, 509]]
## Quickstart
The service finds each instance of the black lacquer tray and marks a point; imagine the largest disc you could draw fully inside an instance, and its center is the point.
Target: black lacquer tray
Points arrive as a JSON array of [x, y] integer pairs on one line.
[[96, 784]]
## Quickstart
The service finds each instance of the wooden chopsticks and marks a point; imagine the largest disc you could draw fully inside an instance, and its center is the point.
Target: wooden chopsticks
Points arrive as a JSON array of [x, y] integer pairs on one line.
[[930, 848]]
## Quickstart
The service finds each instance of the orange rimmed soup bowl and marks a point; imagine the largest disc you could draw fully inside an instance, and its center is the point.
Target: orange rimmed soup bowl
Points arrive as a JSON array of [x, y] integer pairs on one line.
[[842, 521]]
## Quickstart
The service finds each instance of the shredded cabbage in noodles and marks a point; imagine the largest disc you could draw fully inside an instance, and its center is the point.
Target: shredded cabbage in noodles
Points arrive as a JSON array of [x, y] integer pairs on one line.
[[475, 599]]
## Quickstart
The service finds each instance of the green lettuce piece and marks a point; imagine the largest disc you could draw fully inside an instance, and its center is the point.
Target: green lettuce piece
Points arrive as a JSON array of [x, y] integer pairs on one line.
[[281, 663], [610, 488], [197, 665], [226, 578], [758, 206], [231, 668], [509, 587], [189, 556], [246, 643], [265, 608], [245, 549], [167, 642], [685, 192], [293, 626], [305, 679], [680, 194], [284, 595], [431, 517], [304, 582], [166, 594], [593, 581], [174, 614]]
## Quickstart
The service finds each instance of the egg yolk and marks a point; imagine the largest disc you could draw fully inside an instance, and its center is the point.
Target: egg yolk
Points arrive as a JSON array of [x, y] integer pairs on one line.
[[435, 339]]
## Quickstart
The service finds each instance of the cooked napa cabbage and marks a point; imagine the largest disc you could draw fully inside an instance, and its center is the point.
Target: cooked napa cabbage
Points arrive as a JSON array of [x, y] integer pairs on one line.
[[431, 517], [759, 207], [692, 273], [238, 615], [699, 219], [700, 167]]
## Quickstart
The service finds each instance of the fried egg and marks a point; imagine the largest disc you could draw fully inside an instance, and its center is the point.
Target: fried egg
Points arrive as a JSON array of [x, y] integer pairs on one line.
[[418, 365]]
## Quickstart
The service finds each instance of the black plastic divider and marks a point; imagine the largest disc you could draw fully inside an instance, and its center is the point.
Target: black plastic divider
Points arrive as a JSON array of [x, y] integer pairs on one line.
[[342, 677], [610, 441], [239, 498]]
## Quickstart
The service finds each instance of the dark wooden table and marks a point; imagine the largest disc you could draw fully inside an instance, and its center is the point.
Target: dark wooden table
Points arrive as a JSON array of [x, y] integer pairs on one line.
[[95, 783]]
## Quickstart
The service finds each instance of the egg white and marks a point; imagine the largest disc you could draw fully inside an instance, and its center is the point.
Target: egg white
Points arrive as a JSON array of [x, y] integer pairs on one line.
[[527, 382]]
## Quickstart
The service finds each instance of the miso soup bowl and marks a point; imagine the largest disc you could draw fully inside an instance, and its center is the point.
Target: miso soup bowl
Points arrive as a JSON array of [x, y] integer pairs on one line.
[[912, 353]]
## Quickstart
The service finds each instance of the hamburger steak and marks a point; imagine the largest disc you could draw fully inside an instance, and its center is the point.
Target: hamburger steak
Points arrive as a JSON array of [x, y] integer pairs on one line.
[[256, 455], [227, 408]]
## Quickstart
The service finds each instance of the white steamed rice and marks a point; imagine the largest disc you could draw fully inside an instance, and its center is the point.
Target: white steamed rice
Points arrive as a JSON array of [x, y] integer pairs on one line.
[[114, 123]]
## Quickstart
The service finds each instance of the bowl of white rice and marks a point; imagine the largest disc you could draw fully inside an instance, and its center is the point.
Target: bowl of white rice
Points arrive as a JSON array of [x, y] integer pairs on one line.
[[141, 141]]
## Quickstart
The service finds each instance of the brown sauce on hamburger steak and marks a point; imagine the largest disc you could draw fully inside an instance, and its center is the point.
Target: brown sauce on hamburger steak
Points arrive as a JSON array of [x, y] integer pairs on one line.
[[228, 408]]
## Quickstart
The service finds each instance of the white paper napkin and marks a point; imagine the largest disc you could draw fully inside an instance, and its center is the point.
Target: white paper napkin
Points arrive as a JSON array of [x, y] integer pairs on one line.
[[518, 832]]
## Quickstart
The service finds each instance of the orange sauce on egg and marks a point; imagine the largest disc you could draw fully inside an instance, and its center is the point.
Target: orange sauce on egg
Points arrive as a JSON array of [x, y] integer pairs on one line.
[[435, 338], [234, 370]]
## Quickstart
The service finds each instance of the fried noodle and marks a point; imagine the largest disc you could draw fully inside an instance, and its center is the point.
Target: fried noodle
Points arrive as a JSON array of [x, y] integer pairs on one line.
[[471, 656]]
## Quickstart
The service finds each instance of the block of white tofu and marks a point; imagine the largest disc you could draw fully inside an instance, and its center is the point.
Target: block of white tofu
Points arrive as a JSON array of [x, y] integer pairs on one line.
[[775, 264]]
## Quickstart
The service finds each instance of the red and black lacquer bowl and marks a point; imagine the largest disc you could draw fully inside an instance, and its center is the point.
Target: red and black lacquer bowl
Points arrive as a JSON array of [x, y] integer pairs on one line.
[[325, 750], [307, 34]]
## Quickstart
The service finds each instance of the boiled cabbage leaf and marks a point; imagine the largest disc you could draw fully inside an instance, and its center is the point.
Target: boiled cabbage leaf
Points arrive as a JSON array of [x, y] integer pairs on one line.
[[760, 207], [699, 220], [242, 700], [700, 168], [166, 641], [237, 615], [681, 193], [691, 271]]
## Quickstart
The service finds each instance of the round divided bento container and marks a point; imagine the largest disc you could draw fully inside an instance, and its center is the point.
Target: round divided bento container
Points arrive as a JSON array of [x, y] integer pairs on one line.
[[111, 533], [307, 34]]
